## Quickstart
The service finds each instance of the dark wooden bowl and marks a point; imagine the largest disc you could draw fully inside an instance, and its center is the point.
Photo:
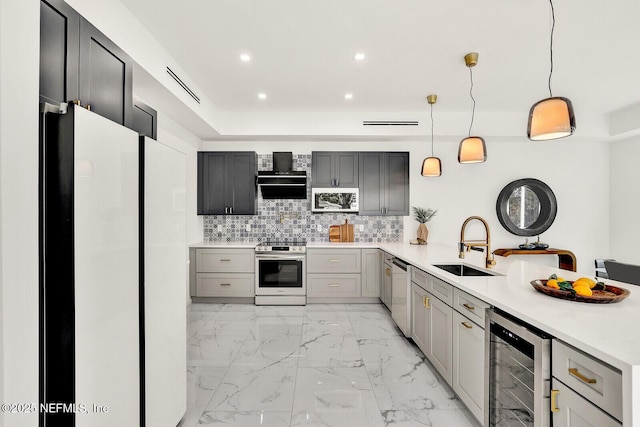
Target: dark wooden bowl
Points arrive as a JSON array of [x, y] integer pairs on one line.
[[610, 295]]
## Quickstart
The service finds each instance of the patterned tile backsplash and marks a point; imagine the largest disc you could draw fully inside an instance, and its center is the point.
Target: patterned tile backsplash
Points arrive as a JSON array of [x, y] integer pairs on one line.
[[298, 222]]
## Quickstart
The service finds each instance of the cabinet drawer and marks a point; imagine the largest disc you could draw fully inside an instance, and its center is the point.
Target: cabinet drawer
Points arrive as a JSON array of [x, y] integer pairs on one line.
[[419, 277], [592, 378], [333, 261], [225, 260], [225, 285], [575, 411], [333, 285], [470, 306], [441, 289]]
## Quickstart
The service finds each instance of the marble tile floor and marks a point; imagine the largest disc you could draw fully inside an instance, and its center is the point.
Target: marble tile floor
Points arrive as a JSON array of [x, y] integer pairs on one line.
[[329, 365]]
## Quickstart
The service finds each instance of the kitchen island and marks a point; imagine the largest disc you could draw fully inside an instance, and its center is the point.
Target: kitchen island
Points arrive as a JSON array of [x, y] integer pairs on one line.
[[608, 332]]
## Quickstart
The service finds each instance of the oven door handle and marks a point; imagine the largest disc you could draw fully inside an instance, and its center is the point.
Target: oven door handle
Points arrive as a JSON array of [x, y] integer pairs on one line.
[[280, 257]]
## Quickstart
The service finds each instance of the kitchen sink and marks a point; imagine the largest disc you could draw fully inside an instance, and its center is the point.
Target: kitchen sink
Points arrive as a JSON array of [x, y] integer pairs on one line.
[[463, 270]]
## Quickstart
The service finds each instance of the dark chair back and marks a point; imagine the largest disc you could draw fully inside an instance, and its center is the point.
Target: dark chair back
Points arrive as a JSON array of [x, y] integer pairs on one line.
[[628, 273]]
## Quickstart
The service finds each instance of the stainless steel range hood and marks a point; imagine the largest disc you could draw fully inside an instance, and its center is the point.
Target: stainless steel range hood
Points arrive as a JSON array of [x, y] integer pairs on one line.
[[282, 182]]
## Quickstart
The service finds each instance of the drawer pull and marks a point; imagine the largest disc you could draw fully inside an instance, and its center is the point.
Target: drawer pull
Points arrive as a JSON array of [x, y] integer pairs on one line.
[[578, 375], [334, 260], [225, 260], [333, 285], [466, 325], [468, 306], [425, 302], [554, 400], [225, 284]]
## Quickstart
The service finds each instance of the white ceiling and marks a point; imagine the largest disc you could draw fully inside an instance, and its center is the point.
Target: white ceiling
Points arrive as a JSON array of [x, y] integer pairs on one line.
[[302, 58]]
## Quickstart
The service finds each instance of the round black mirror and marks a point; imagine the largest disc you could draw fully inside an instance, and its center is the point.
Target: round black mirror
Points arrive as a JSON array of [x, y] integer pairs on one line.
[[526, 207]]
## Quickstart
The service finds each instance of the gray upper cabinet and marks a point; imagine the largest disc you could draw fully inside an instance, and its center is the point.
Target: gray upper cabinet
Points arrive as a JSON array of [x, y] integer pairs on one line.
[[334, 169], [384, 183], [78, 62], [227, 183]]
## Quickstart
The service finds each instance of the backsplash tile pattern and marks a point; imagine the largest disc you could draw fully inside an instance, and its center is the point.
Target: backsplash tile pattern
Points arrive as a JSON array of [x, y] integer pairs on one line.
[[299, 222]]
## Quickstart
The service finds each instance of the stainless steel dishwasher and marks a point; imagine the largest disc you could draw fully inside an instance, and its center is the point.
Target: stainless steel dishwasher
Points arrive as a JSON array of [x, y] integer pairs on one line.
[[401, 295], [518, 373]]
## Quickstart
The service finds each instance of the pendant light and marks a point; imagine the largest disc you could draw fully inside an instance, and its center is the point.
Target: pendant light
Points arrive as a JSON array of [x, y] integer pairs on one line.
[[553, 117], [431, 166], [472, 149]]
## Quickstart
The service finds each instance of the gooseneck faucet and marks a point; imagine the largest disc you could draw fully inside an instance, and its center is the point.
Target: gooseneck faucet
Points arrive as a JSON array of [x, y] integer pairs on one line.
[[470, 244]]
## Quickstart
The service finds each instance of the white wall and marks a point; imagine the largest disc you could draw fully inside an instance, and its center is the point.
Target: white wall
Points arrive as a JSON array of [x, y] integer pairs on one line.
[[576, 171], [19, 57], [624, 201]]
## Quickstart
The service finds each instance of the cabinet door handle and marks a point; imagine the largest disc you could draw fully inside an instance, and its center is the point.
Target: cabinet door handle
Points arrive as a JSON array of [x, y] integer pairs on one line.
[[425, 302], [333, 285], [225, 284], [226, 209], [225, 260], [230, 209], [468, 306], [466, 325], [554, 400], [334, 260], [578, 375], [387, 271]]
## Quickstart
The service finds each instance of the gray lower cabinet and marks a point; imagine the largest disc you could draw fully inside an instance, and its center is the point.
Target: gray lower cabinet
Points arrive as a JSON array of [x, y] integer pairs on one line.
[[585, 390], [574, 410], [432, 330], [343, 274], [371, 270], [448, 328], [386, 273], [227, 183], [334, 169], [468, 363], [384, 183], [222, 272]]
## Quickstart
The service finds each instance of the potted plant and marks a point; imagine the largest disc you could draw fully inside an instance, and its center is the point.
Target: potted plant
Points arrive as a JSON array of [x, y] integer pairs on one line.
[[423, 216]]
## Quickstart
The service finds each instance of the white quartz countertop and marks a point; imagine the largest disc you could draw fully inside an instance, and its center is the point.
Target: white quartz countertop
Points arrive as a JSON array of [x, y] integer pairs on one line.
[[224, 245], [610, 332]]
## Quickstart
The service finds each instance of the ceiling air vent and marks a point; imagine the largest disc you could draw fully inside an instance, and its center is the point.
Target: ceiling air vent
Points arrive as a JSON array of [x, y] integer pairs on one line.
[[183, 85], [389, 123]]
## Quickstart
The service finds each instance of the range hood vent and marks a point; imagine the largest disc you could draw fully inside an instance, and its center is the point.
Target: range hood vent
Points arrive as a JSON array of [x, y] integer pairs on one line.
[[282, 182]]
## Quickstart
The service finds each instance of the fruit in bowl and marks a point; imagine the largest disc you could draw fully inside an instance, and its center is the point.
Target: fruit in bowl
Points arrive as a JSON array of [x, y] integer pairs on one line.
[[584, 286]]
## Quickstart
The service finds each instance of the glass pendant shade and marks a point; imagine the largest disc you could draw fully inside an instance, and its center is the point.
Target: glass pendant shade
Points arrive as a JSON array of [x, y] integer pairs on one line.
[[431, 166], [551, 118], [472, 150]]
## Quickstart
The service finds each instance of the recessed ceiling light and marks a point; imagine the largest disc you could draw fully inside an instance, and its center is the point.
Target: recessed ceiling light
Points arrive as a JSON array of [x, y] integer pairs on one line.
[[348, 96], [359, 56], [245, 57], [262, 95]]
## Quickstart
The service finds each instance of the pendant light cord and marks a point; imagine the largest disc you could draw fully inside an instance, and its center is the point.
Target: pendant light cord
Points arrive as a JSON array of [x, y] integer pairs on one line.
[[431, 129], [553, 26], [473, 111]]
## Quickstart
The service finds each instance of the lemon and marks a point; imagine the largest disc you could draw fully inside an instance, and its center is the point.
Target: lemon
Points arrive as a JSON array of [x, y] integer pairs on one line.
[[590, 282], [561, 279], [581, 282], [583, 290], [553, 283]]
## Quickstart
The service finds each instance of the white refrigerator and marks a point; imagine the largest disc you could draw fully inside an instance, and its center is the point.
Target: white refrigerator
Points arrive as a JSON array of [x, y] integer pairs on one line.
[[112, 345]]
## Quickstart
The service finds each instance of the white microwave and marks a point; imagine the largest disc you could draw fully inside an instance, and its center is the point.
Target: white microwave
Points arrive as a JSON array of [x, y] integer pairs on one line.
[[335, 200]]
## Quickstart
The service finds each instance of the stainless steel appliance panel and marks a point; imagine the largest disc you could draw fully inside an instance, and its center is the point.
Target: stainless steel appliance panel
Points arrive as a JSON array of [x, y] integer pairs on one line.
[[517, 374]]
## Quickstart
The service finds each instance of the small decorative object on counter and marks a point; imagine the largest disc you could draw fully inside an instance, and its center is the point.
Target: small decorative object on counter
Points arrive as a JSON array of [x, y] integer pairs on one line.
[[540, 245], [423, 216]]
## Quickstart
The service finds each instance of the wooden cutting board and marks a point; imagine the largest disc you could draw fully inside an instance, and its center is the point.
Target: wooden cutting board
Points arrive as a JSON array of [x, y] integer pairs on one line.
[[334, 233], [346, 232]]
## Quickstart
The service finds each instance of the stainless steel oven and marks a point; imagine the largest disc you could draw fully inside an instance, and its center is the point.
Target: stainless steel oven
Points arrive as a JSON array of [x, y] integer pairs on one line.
[[518, 373], [281, 273]]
